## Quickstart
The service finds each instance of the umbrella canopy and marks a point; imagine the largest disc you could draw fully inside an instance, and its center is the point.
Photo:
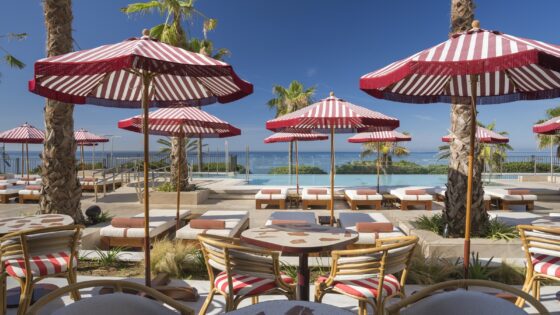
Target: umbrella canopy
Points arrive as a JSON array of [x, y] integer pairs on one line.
[[379, 136], [295, 136], [25, 133], [333, 115], [477, 66], [84, 137], [549, 127], [139, 73], [483, 135]]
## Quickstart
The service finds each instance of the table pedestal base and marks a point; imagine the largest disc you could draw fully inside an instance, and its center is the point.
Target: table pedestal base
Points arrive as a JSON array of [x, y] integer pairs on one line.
[[302, 292]]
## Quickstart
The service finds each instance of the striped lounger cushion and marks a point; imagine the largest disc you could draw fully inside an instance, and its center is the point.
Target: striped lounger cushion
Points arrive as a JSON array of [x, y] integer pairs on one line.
[[365, 288], [548, 265], [245, 285], [40, 265]]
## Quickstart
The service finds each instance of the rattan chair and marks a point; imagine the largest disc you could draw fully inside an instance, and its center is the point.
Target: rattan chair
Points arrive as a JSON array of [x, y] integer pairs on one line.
[[32, 255], [542, 251], [368, 274], [458, 302], [243, 272], [111, 301]]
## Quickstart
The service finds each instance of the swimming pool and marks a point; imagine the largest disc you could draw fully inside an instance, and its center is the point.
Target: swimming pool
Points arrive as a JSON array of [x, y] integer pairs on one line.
[[347, 180]]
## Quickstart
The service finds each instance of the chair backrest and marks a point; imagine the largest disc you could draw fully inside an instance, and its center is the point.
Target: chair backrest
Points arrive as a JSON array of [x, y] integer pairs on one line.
[[538, 240], [389, 256], [462, 302], [41, 241], [233, 257]]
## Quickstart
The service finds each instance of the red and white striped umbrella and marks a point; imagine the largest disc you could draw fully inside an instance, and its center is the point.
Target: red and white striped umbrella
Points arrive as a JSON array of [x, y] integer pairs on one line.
[[25, 133], [549, 127], [84, 137], [295, 136], [333, 113], [510, 68], [184, 121], [379, 136], [110, 75], [483, 135]]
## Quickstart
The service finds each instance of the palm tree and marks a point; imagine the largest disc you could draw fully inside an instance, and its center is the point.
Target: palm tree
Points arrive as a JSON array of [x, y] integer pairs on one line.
[[61, 192], [462, 16], [544, 141], [288, 100], [173, 146], [386, 149], [167, 143], [8, 58], [493, 155]]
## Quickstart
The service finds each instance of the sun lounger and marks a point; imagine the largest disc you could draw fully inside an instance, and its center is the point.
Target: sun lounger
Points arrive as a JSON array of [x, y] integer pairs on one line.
[[414, 196], [271, 196], [8, 192], [7, 179], [291, 217], [234, 222], [161, 222], [508, 197], [350, 220], [315, 197], [440, 196], [363, 197], [90, 184], [30, 192]]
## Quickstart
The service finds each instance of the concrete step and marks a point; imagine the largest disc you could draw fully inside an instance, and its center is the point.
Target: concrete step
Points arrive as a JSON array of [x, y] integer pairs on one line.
[[230, 196]]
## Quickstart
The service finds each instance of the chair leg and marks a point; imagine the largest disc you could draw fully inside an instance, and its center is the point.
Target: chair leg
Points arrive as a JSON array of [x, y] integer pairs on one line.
[[537, 290], [207, 302], [25, 296], [362, 308], [255, 299], [3, 302], [526, 288], [72, 279]]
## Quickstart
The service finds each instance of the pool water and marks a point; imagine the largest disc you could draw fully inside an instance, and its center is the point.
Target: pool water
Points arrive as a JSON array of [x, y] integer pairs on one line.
[[347, 180]]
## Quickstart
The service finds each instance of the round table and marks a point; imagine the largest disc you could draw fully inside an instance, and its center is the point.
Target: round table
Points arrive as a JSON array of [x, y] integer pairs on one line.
[[282, 307], [15, 224], [300, 240]]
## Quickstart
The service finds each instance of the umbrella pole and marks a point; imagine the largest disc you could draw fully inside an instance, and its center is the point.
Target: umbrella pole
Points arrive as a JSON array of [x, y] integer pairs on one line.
[[83, 162], [297, 170], [93, 158], [22, 160], [467, 246], [27, 159], [146, 78], [178, 188], [551, 158], [377, 163], [332, 176]]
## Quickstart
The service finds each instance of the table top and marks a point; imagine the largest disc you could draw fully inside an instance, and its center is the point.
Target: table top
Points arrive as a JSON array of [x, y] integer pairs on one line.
[[14, 224], [283, 307], [296, 239]]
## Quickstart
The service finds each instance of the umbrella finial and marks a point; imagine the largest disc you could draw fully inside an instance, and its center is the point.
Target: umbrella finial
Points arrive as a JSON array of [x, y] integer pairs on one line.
[[331, 93], [146, 32], [475, 24]]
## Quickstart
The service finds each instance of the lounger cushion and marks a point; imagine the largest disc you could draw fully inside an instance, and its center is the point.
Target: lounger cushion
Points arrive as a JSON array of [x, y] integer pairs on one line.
[[374, 227], [10, 191], [291, 222], [160, 221], [279, 194], [27, 182], [348, 220], [244, 285], [40, 265], [518, 191], [234, 220], [116, 303], [402, 195], [504, 195], [12, 181], [309, 194], [354, 195], [32, 187], [366, 192], [3, 187], [365, 288], [415, 192], [308, 217], [315, 191], [208, 224], [29, 192], [548, 265], [128, 222]]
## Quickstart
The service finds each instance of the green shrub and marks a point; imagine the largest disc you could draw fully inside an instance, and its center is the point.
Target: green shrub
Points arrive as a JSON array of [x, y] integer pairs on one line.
[[526, 167], [302, 169], [218, 167], [177, 259], [399, 167], [432, 223], [498, 230], [430, 270]]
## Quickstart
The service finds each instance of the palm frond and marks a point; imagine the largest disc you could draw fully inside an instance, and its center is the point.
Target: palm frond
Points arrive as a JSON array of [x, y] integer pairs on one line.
[[13, 62], [143, 7]]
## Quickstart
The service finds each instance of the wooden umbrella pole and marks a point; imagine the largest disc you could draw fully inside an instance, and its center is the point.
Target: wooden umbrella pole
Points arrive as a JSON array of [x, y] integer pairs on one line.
[[27, 159], [178, 188], [22, 159], [297, 170], [377, 163], [332, 176], [93, 158], [83, 162], [467, 246], [146, 78]]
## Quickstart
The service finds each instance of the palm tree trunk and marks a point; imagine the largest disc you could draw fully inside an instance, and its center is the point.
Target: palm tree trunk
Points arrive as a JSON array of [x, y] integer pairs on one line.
[[61, 191], [178, 160]]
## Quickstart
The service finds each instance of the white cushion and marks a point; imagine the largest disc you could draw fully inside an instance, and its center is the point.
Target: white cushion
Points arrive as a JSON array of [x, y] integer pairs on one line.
[[306, 216], [461, 302], [29, 192], [401, 193], [31, 182], [348, 220], [281, 196], [503, 194], [353, 195], [234, 221], [160, 221], [11, 181], [306, 196], [9, 191], [33, 176], [115, 304]]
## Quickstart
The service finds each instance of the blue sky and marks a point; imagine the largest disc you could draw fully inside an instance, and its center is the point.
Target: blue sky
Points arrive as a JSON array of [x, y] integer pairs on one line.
[[325, 43]]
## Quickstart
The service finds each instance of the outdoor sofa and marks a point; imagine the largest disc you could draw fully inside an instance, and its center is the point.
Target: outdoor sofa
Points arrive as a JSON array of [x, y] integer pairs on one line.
[[368, 233], [414, 196], [131, 234], [315, 197], [513, 196], [215, 222], [363, 197], [271, 196]]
